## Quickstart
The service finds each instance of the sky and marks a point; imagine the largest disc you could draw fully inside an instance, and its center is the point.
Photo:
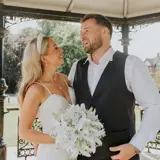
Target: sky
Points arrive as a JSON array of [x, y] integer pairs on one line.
[[145, 42]]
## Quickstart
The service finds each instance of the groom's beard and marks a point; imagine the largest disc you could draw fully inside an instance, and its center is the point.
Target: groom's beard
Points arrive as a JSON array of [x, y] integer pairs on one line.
[[92, 46]]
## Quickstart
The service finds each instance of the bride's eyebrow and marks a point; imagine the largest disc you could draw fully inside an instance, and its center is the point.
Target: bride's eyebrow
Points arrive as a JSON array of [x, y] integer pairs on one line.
[[55, 45]]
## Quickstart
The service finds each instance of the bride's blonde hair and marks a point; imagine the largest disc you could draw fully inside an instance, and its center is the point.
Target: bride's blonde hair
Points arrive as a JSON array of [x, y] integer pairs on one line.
[[31, 68]]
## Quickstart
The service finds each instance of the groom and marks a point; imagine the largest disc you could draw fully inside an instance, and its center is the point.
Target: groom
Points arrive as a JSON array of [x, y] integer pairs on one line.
[[111, 81]]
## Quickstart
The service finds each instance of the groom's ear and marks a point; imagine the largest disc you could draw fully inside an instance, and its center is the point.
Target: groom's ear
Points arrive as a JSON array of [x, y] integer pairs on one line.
[[105, 31]]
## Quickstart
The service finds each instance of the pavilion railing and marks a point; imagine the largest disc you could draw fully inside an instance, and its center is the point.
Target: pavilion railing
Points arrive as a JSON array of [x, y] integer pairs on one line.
[[153, 144], [26, 149]]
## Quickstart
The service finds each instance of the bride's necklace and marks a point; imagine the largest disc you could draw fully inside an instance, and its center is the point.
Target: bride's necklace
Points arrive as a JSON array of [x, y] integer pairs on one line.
[[54, 81]]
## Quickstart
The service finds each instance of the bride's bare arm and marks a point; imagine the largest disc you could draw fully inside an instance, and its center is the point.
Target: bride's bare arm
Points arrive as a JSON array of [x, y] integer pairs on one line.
[[28, 113]]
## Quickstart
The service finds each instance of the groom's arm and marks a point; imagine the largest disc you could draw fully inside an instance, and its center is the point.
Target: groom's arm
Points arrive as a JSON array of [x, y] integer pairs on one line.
[[140, 83], [147, 96], [72, 73]]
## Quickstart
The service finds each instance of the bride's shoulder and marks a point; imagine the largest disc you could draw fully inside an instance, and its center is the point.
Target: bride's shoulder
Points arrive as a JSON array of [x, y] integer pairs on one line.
[[35, 89], [63, 77]]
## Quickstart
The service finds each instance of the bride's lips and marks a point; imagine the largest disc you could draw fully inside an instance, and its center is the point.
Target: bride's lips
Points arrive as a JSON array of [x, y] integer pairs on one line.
[[60, 56]]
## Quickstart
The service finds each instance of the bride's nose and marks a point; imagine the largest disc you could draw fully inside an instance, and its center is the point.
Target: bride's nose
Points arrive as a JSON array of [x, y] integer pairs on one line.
[[61, 50]]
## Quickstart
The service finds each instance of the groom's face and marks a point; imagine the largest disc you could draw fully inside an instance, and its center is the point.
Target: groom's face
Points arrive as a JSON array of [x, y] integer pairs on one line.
[[91, 35]]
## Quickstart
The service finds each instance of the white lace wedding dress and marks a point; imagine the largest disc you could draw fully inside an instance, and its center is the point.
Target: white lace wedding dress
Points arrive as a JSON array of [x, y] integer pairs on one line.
[[53, 104]]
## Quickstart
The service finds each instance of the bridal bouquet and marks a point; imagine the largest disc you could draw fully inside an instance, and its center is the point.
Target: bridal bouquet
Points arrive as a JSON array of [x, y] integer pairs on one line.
[[78, 131]]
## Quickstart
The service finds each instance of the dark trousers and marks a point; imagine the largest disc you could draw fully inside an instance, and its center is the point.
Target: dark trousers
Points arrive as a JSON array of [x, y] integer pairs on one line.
[[136, 157]]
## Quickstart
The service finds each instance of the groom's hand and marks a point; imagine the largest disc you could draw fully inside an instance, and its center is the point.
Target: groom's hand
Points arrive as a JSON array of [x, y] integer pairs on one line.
[[126, 151]]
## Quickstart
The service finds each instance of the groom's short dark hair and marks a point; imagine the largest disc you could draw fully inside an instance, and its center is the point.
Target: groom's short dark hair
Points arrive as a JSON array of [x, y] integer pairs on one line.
[[101, 20]]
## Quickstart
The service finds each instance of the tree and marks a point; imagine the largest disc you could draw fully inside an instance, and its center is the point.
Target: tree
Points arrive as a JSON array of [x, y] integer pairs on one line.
[[13, 51]]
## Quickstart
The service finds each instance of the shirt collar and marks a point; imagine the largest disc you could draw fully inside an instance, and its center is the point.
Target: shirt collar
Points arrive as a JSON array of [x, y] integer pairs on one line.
[[108, 56]]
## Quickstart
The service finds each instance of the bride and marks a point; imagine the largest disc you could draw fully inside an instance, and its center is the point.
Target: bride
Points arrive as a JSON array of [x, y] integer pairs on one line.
[[43, 92]]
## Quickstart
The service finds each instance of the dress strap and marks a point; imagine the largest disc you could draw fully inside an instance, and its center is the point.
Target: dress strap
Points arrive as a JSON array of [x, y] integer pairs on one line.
[[42, 84]]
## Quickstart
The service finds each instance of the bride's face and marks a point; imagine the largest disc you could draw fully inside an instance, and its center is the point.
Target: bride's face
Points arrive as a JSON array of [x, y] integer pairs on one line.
[[54, 55]]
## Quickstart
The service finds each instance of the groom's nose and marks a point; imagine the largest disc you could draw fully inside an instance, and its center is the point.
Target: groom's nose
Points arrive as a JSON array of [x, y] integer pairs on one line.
[[82, 34]]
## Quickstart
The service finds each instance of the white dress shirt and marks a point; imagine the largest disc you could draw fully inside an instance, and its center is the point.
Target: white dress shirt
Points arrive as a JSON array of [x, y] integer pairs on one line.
[[139, 82]]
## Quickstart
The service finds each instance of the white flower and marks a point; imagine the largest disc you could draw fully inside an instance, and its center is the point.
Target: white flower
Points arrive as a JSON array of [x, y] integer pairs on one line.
[[78, 131]]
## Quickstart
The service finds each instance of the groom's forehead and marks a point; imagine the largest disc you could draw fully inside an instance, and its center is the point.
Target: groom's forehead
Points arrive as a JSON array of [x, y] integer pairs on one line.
[[88, 24]]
